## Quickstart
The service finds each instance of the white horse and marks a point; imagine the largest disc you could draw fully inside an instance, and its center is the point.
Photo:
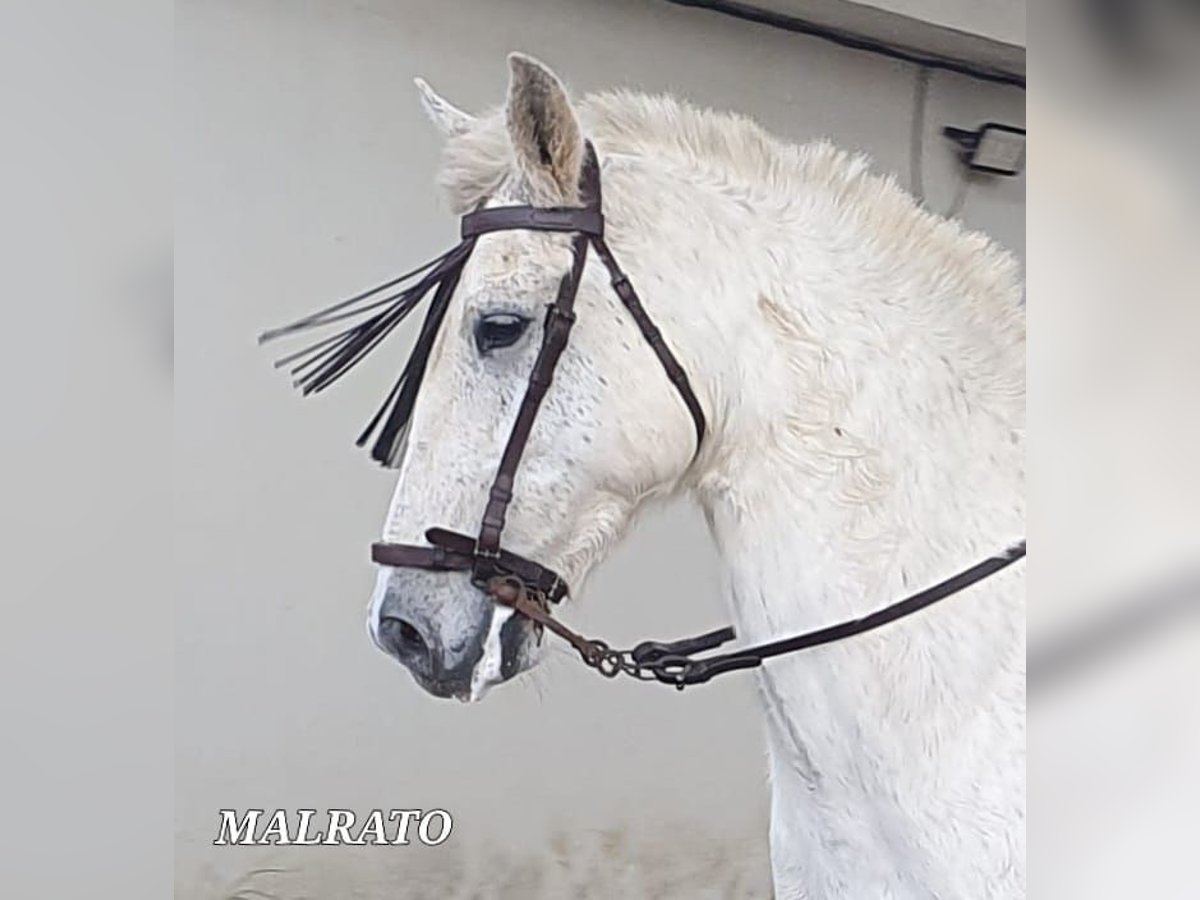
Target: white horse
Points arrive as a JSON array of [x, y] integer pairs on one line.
[[861, 363]]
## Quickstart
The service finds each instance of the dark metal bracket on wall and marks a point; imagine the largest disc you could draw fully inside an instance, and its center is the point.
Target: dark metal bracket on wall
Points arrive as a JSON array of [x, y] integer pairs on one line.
[[853, 41]]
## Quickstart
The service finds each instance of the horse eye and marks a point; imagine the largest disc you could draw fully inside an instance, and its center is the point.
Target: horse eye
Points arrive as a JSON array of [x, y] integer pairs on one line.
[[499, 330]]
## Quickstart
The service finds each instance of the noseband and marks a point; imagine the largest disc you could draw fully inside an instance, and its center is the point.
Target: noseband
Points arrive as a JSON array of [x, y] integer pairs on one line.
[[522, 584]]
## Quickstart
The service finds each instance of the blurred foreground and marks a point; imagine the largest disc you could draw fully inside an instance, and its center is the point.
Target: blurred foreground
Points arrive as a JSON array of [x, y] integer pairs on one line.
[[1114, 572], [589, 865]]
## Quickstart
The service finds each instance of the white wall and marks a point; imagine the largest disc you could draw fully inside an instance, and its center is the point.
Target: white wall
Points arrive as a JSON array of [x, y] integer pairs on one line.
[[305, 170]]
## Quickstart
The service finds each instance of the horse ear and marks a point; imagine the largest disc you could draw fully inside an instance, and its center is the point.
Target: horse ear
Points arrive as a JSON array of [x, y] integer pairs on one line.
[[449, 119], [544, 131]]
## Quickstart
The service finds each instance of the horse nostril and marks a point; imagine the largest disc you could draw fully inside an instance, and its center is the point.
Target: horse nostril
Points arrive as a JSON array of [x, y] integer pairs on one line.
[[410, 637], [404, 641]]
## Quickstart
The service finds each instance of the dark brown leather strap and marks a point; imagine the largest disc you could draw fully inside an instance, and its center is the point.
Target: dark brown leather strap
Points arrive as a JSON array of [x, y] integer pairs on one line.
[[681, 670], [450, 551], [675, 372], [555, 334], [630, 300], [582, 220]]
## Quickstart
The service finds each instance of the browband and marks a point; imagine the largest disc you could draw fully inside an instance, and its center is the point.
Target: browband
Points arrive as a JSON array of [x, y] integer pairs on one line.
[[582, 220]]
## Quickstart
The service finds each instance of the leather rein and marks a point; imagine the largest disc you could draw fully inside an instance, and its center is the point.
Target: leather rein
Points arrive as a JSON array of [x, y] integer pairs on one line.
[[512, 580]]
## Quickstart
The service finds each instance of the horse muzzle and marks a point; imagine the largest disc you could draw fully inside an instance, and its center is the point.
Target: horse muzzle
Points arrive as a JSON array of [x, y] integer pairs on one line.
[[451, 636]]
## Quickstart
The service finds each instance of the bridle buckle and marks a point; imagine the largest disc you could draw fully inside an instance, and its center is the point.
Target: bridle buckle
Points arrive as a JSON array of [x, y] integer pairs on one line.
[[481, 553], [554, 313]]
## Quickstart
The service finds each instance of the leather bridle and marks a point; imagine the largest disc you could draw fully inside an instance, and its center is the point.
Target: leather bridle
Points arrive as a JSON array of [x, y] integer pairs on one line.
[[527, 586], [482, 555]]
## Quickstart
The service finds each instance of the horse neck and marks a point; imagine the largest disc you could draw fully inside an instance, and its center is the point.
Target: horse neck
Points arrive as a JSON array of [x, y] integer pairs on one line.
[[866, 404]]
